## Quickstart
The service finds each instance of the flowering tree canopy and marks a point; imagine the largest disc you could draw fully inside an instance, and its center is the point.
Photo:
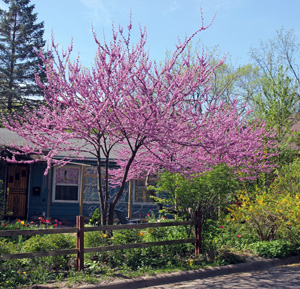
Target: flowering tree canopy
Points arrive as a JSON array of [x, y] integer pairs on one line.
[[143, 113]]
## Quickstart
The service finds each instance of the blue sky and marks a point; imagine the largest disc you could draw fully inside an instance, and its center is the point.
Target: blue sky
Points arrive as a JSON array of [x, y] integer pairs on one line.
[[239, 24]]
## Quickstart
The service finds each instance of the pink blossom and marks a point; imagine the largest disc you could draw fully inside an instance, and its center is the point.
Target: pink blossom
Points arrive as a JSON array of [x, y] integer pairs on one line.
[[141, 113]]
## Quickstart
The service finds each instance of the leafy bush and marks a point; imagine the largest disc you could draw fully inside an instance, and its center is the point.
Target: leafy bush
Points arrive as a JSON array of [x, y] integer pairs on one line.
[[271, 214], [181, 196], [141, 258], [95, 218], [94, 239], [275, 249], [221, 241], [274, 211], [6, 247], [49, 242]]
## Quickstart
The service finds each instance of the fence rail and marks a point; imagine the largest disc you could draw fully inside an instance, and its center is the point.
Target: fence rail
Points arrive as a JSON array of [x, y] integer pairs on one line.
[[80, 230], [12, 233]]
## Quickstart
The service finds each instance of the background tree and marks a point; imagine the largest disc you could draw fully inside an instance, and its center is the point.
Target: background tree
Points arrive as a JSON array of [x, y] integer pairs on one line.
[[277, 100], [278, 105], [281, 51], [20, 35], [228, 82], [143, 114]]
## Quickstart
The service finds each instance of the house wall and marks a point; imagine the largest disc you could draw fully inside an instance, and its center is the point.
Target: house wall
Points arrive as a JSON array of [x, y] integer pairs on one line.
[[37, 192], [2, 185], [140, 211], [38, 198]]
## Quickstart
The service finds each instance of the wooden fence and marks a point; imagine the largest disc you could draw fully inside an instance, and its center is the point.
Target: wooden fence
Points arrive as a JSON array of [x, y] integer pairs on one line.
[[79, 230]]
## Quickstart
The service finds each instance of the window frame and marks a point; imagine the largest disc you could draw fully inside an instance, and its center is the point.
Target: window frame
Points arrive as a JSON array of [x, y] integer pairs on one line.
[[151, 202], [54, 200], [86, 184]]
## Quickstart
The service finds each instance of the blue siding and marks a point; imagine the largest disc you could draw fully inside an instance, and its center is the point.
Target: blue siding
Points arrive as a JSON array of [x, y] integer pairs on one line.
[[37, 180], [67, 212]]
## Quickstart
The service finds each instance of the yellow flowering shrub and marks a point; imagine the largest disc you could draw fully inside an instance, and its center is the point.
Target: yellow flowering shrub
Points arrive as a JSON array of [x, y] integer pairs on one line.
[[268, 213], [272, 211]]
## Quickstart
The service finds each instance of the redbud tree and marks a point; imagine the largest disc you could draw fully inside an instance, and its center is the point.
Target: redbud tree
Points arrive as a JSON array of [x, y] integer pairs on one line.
[[141, 112]]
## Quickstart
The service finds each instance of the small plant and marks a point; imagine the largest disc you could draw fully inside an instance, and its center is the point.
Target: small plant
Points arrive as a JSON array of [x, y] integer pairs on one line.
[[95, 239], [275, 249], [95, 219], [49, 242]]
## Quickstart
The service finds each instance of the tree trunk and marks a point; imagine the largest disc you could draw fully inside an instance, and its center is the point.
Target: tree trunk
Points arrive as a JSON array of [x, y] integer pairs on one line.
[[111, 214]]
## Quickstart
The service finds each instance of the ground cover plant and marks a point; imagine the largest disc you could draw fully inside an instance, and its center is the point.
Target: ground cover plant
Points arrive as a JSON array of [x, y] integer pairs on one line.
[[225, 241], [122, 263]]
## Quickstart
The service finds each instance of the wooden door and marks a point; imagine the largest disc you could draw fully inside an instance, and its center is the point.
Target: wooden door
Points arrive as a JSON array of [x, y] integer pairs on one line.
[[16, 194]]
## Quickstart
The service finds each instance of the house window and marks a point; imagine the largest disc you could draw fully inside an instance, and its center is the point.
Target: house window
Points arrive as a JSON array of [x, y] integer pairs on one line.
[[90, 185], [142, 195], [90, 193], [67, 183]]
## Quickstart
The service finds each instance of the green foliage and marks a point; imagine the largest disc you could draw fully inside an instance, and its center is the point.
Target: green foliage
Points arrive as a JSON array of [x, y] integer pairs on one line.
[[278, 105], [180, 196], [141, 258], [276, 52], [222, 240], [288, 179], [223, 243], [49, 242], [20, 34], [95, 219], [274, 211], [6, 247], [94, 239], [275, 249]]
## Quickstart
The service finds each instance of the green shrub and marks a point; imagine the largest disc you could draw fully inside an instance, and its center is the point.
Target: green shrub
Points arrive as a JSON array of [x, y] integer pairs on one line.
[[95, 219], [275, 249], [6, 247], [94, 239], [10, 270], [36, 270], [152, 257], [179, 195], [49, 242]]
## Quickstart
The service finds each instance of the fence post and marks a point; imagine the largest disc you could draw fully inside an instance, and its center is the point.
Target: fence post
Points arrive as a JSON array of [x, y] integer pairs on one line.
[[80, 242], [198, 231]]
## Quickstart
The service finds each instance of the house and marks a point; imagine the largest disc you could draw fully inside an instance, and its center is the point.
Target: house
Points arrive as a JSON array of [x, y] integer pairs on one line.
[[65, 192]]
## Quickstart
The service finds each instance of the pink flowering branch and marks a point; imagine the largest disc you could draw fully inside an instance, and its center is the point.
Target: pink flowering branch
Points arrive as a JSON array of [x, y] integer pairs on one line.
[[143, 115]]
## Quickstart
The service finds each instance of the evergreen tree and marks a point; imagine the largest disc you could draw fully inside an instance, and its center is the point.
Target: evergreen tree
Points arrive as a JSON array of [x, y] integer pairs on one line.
[[20, 35]]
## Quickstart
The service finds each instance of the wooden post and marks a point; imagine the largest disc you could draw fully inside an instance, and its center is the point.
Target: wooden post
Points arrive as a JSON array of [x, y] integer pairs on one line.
[[80, 242], [130, 198], [49, 192], [198, 231], [81, 190]]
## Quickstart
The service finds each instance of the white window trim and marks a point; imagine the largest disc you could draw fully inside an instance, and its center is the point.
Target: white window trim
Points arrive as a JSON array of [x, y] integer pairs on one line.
[[54, 186]]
